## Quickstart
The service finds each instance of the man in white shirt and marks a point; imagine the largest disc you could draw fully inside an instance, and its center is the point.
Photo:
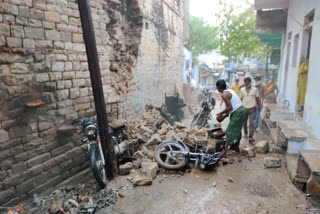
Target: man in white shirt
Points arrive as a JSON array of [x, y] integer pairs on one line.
[[249, 96]]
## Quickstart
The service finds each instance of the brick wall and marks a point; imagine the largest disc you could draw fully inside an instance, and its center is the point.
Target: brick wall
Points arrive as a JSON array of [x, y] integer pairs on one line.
[[43, 59]]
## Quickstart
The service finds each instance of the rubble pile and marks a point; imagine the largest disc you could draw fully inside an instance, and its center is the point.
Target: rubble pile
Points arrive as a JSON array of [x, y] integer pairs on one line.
[[148, 131], [82, 198]]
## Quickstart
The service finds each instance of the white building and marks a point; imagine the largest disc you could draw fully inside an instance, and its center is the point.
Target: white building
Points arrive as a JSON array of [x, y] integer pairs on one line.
[[301, 38]]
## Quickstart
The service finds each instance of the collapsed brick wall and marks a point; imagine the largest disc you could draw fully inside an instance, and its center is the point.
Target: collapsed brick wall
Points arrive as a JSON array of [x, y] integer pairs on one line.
[[43, 59]]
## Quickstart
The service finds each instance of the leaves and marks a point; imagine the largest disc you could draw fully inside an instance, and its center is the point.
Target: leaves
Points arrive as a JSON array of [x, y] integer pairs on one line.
[[236, 34], [203, 37]]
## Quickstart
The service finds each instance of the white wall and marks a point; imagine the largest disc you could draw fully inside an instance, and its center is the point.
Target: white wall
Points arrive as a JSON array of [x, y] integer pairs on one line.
[[288, 86]]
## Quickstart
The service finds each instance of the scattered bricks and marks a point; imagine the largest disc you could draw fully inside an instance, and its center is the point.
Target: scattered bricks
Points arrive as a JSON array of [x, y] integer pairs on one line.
[[28, 43], [249, 151], [142, 180], [9, 9], [124, 169], [4, 136], [24, 11], [52, 16], [37, 14], [262, 146], [52, 35], [137, 163], [272, 162], [38, 159], [19, 168], [62, 94], [147, 152], [154, 141], [77, 37], [144, 129], [178, 125], [34, 33], [161, 121], [4, 29], [83, 106], [23, 156], [14, 42], [150, 168], [78, 82], [17, 131], [6, 195], [42, 77], [147, 116], [139, 155]]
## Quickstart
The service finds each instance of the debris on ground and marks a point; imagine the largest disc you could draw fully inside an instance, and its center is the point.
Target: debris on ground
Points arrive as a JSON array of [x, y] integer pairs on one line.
[[185, 191], [262, 146], [214, 184], [249, 151], [82, 198], [230, 180], [272, 162]]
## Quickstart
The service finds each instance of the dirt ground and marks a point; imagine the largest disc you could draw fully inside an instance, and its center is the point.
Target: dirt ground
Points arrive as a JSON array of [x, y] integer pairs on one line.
[[254, 190]]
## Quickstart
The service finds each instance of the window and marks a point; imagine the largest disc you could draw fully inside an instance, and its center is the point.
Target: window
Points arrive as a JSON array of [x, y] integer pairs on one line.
[[295, 51]]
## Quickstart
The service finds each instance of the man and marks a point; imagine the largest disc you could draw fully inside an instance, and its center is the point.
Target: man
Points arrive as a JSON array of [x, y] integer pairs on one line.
[[249, 96], [235, 86], [234, 108], [260, 88]]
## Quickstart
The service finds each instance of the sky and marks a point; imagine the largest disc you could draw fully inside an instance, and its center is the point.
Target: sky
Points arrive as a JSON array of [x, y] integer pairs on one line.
[[208, 8]]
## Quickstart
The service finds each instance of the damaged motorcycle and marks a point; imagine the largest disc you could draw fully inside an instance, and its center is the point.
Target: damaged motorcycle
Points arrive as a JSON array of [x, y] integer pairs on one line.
[[207, 105], [90, 131]]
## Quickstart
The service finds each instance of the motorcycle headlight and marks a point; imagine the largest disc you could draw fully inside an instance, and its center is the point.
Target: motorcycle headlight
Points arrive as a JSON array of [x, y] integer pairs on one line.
[[90, 130]]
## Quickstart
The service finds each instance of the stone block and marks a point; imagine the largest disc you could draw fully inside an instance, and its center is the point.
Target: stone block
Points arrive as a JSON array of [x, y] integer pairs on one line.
[[6, 195], [154, 141], [14, 42], [17, 131], [78, 82], [23, 156], [35, 23], [124, 169], [38, 159], [69, 75], [74, 93], [51, 25], [37, 14], [82, 106], [28, 43], [52, 35], [42, 77], [9, 9], [142, 180], [17, 31], [272, 162], [24, 11], [62, 94], [58, 45], [150, 169], [144, 129], [43, 44], [34, 33], [84, 92], [52, 16], [4, 136], [78, 47], [62, 149], [19, 168], [19, 68], [262, 146], [249, 151], [178, 125], [77, 37]]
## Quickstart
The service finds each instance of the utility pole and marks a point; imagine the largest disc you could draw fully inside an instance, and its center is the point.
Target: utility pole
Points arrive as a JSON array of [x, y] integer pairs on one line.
[[96, 82]]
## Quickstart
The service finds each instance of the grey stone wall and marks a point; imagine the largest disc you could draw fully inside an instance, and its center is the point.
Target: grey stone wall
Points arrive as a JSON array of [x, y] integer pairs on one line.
[[43, 61]]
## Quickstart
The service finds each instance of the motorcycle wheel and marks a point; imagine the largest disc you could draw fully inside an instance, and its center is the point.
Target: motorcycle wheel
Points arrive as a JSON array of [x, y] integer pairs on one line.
[[164, 157], [98, 169], [199, 120]]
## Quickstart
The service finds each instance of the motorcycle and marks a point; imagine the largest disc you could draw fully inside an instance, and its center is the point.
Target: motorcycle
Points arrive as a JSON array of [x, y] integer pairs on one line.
[[90, 131], [207, 105], [173, 155]]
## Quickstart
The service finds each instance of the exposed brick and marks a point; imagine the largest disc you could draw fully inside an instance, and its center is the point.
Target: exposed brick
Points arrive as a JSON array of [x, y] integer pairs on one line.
[[58, 66], [10, 143], [34, 33], [4, 29], [22, 20], [58, 45], [44, 125], [52, 35], [49, 164], [66, 111], [68, 66], [55, 76], [17, 31], [6, 195], [36, 14], [43, 44], [23, 156], [17, 131], [19, 68], [38, 159], [60, 158], [4, 136], [52, 16], [44, 187], [65, 36], [62, 94], [48, 25], [14, 42], [82, 106], [32, 144], [77, 37], [74, 93], [74, 152], [32, 172], [9, 8], [78, 47], [3, 176], [31, 184], [12, 181], [84, 92], [35, 23], [28, 43], [24, 11], [42, 77], [19, 168], [78, 82], [62, 149], [2, 41], [80, 159]]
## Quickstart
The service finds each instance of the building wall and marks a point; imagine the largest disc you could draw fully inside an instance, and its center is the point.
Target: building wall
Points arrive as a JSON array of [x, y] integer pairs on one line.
[[289, 81], [161, 54], [43, 59]]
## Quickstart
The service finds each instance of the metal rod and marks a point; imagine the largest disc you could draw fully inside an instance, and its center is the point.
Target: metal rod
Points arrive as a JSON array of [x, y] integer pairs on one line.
[[96, 82]]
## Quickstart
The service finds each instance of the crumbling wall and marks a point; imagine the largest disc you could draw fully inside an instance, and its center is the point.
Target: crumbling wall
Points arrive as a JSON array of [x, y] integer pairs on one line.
[[160, 58], [45, 83]]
